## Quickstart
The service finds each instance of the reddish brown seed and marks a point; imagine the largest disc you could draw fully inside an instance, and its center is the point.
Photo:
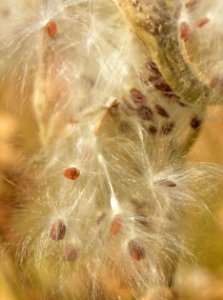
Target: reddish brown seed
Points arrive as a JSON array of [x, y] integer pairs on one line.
[[167, 128], [166, 182], [152, 67], [72, 121], [116, 225], [71, 173], [182, 104], [161, 111], [216, 82], [195, 123], [145, 113], [70, 253], [51, 28], [58, 230], [184, 31], [152, 129], [136, 251], [201, 22], [160, 84], [137, 96], [189, 4]]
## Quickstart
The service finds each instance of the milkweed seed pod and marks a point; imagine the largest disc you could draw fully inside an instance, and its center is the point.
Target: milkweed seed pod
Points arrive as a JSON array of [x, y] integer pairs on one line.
[[101, 207]]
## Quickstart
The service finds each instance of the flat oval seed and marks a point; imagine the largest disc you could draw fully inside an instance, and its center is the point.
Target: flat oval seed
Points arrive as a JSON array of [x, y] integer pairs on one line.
[[71, 173], [136, 251], [166, 182], [116, 225], [201, 22], [167, 128], [69, 253], [195, 122], [58, 230], [161, 111], [51, 28], [184, 31]]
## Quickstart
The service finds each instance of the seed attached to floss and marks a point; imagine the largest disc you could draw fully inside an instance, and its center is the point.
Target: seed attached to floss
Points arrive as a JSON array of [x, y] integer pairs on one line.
[[167, 128], [69, 253], [161, 111], [152, 129], [51, 28], [71, 173], [58, 230], [145, 113], [190, 3], [138, 97], [136, 251], [201, 22], [116, 225], [195, 123], [166, 182], [184, 31]]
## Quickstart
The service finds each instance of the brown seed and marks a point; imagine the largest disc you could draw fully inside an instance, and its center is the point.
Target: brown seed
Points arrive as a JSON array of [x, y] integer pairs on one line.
[[116, 225], [69, 253], [136, 251], [71, 173], [201, 22], [51, 28], [137, 96], [184, 31], [152, 67], [167, 128], [195, 123], [145, 113], [143, 220], [161, 111], [100, 218], [160, 84], [182, 104], [216, 82], [152, 129], [58, 230], [166, 182], [190, 3]]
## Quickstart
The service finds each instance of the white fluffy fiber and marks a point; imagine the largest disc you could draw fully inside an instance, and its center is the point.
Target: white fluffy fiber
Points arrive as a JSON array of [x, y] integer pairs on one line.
[[124, 215]]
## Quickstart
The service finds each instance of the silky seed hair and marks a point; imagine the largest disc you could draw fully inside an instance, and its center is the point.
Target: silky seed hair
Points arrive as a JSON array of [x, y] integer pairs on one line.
[[110, 187]]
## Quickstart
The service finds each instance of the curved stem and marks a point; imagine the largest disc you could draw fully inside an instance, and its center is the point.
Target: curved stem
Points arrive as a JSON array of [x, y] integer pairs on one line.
[[156, 24]]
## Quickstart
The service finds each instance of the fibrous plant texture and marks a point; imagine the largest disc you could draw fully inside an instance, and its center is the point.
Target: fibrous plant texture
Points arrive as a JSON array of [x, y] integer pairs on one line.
[[118, 90]]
